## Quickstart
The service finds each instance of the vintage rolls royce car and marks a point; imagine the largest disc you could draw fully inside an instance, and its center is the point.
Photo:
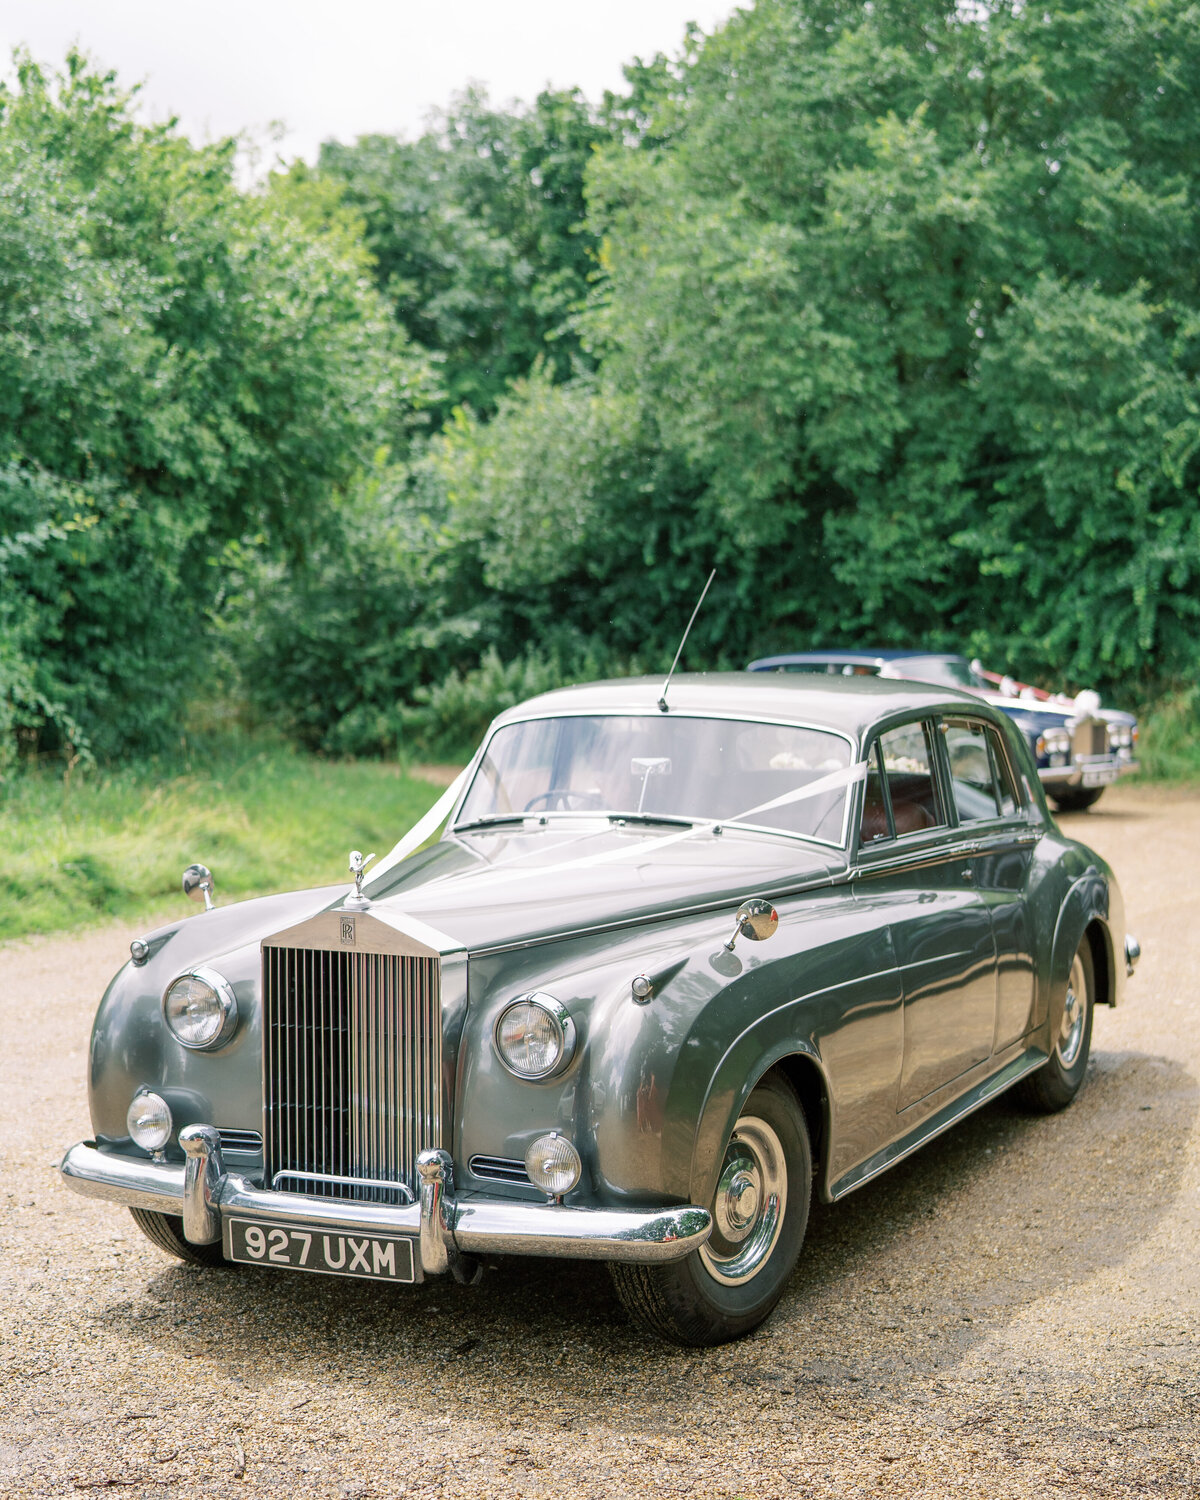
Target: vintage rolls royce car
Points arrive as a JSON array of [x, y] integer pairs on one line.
[[670, 966], [1078, 746]]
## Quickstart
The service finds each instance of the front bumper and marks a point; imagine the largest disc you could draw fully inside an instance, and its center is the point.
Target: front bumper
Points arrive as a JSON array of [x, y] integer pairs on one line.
[[445, 1228], [1086, 771]]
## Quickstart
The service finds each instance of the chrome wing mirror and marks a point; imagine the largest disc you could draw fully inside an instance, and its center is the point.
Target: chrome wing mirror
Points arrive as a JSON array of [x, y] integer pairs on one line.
[[198, 885], [755, 919]]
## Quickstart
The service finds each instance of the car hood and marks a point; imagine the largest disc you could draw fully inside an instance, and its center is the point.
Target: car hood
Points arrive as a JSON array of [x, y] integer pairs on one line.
[[505, 886]]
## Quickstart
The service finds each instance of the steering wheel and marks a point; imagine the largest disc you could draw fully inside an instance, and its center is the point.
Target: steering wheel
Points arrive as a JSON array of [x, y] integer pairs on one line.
[[564, 799]]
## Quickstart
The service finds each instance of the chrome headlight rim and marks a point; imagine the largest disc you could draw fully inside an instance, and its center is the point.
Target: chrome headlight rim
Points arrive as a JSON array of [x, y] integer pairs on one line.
[[226, 999], [559, 1015]]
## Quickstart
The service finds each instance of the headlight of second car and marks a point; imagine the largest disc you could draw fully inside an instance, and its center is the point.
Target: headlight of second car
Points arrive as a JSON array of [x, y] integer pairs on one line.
[[201, 1009], [535, 1036]]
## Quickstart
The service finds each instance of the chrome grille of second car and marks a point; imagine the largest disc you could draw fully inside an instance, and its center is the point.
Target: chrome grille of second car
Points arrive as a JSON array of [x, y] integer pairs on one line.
[[352, 1071], [1091, 738]]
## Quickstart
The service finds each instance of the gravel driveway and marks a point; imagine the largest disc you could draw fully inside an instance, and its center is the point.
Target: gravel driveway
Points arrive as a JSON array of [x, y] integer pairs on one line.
[[1012, 1312]]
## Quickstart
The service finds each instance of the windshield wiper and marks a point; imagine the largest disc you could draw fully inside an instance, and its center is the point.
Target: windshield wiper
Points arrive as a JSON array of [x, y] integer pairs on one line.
[[492, 820], [644, 817]]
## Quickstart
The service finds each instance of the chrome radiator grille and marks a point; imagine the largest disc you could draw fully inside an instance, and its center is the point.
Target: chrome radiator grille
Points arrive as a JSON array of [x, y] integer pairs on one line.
[[352, 1047], [1091, 738]]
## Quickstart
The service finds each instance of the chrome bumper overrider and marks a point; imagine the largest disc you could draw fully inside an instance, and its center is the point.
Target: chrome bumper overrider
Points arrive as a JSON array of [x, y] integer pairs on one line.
[[204, 1195]]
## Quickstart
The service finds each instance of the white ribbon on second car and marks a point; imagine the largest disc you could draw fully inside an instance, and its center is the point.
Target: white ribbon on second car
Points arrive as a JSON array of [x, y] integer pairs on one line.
[[441, 809]]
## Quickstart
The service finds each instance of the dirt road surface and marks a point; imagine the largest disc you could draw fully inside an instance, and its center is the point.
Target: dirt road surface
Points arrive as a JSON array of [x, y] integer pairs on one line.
[[1013, 1312]]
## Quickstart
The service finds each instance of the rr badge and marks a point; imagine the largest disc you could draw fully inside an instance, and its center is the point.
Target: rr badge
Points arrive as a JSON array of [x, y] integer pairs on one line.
[[348, 930]]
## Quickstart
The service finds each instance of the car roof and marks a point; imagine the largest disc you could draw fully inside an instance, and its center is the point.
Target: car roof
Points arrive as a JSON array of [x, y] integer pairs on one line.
[[851, 705], [832, 658]]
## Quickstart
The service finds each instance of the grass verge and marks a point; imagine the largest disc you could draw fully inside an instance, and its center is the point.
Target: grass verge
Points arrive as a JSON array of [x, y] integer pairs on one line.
[[1170, 739], [263, 817]]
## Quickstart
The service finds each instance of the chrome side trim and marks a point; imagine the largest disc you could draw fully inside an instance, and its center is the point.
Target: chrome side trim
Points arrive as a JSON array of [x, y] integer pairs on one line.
[[958, 1109], [641, 1236], [923, 858]]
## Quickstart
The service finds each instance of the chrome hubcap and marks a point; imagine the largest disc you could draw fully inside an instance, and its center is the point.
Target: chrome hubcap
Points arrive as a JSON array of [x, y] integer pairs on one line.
[[1074, 1016], [749, 1205]]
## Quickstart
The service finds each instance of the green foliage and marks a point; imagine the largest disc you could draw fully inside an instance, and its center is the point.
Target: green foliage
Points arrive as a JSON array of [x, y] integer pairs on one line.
[[1170, 738], [916, 282], [888, 312], [181, 365], [115, 843], [331, 648], [478, 236], [451, 717]]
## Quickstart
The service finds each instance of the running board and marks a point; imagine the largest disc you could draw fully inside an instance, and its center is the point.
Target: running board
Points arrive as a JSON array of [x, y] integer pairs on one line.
[[959, 1109]]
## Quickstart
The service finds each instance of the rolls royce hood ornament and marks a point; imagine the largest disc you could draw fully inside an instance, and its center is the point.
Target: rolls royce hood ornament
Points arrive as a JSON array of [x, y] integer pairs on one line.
[[358, 867]]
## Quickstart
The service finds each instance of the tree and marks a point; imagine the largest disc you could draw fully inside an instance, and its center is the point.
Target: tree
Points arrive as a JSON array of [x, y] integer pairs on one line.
[[478, 236], [181, 365]]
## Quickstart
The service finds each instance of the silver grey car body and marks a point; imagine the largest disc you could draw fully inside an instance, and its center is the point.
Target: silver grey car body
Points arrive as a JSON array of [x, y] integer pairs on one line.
[[914, 974]]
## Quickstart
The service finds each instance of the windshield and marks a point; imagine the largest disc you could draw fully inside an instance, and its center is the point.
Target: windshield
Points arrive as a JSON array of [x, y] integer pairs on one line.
[[668, 767], [944, 671]]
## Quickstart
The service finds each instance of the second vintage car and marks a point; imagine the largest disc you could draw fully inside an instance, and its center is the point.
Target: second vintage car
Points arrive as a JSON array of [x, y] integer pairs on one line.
[[1078, 746], [676, 960]]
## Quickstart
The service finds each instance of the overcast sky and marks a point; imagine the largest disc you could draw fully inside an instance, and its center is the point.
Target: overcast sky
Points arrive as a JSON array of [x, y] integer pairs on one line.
[[343, 69]]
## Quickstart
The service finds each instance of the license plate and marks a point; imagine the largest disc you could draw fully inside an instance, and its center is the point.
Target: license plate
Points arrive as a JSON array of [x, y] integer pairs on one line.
[[1100, 778], [328, 1252]]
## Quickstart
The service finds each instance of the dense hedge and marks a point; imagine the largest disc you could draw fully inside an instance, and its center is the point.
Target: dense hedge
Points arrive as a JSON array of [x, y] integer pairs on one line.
[[889, 312], [181, 365]]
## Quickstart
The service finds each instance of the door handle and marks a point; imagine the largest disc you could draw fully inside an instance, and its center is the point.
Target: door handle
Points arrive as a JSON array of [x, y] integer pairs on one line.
[[969, 875]]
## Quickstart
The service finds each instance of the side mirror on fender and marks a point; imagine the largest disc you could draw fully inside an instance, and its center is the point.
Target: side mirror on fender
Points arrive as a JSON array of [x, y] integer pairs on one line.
[[198, 885]]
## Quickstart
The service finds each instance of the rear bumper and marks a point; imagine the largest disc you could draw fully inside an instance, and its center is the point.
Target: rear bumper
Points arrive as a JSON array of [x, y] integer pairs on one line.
[[445, 1228]]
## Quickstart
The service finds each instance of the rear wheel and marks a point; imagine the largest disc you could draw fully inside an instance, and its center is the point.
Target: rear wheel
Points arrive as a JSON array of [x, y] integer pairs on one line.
[[1076, 798], [1059, 1079], [760, 1213], [166, 1230]]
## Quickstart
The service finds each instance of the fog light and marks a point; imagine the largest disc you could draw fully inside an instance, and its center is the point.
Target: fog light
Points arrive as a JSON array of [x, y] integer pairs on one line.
[[148, 1121], [553, 1164]]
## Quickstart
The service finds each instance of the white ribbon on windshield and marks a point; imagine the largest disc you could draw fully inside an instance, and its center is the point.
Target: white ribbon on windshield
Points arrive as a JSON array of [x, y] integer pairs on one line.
[[833, 782], [440, 811]]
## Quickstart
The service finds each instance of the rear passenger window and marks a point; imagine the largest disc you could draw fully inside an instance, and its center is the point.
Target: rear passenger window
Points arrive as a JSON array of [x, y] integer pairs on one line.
[[972, 779], [979, 772], [908, 773]]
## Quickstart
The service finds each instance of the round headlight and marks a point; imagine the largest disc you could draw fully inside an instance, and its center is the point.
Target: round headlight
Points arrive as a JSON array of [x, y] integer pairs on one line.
[[148, 1121], [535, 1036], [200, 1008], [553, 1164]]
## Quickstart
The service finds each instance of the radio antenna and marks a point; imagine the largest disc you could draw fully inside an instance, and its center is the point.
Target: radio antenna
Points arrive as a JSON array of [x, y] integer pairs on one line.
[[662, 701]]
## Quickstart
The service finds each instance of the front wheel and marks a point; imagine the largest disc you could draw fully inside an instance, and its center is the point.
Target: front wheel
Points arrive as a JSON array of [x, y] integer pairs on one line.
[[166, 1230], [1077, 798], [1061, 1077], [760, 1213]]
